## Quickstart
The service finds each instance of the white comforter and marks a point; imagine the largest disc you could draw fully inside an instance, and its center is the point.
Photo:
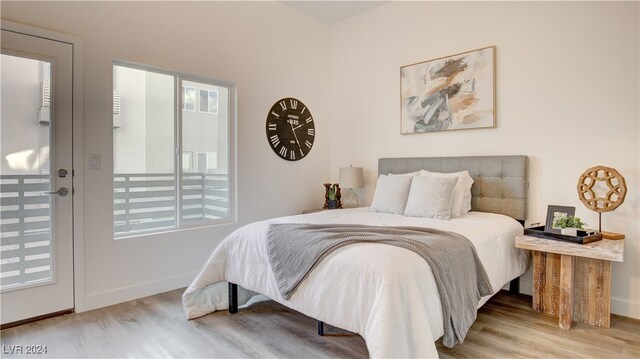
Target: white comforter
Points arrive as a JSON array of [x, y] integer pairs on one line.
[[386, 294]]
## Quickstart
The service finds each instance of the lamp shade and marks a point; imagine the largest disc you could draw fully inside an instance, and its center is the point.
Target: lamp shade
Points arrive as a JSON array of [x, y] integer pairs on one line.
[[351, 177]]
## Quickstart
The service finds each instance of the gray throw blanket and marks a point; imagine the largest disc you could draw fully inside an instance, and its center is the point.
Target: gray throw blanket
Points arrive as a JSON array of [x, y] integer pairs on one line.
[[295, 249]]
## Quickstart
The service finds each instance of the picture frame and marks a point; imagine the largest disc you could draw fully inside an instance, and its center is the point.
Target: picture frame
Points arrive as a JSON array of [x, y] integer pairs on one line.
[[454, 92], [554, 212]]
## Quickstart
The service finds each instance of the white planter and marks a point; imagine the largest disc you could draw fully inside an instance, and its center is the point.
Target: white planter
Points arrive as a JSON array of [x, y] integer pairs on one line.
[[569, 231]]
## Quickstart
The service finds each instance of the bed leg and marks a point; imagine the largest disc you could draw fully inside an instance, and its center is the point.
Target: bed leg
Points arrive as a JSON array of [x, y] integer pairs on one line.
[[514, 286], [233, 298], [320, 328]]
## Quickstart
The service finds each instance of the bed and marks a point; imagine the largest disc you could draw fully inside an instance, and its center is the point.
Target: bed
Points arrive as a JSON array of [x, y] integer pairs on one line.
[[388, 294]]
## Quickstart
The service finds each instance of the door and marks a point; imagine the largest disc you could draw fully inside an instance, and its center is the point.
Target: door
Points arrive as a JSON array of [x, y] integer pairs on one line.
[[36, 237]]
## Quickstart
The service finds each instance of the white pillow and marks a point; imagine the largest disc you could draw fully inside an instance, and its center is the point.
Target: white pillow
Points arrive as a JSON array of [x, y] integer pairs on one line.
[[391, 194], [461, 193], [431, 197]]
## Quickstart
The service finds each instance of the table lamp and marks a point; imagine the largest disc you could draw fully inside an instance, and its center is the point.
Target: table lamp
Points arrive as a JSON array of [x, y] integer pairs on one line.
[[351, 177]]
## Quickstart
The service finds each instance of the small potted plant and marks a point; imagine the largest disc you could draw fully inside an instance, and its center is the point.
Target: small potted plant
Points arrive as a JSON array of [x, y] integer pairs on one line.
[[332, 200], [569, 225]]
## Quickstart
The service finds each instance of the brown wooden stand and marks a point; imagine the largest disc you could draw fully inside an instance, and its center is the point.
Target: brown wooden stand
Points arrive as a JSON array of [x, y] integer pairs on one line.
[[573, 281]]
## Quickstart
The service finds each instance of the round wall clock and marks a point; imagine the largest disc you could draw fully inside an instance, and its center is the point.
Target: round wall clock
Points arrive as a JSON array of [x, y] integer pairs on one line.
[[290, 129]]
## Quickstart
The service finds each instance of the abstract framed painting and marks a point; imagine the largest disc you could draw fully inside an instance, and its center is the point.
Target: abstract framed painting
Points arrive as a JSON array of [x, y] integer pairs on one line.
[[450, 93]]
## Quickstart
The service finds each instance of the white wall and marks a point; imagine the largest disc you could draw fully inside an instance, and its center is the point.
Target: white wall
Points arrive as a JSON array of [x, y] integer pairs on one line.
[[268, 49], [567, 97]]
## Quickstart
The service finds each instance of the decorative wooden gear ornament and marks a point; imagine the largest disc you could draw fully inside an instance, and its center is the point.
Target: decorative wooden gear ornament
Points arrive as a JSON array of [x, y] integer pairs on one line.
[[617, 189]]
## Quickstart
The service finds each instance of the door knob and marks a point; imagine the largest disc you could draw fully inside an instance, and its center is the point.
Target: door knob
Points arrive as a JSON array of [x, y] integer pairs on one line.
[[63, 191]]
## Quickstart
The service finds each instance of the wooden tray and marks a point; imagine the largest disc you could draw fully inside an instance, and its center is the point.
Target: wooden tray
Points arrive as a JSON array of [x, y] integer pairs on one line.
[[581, 238]]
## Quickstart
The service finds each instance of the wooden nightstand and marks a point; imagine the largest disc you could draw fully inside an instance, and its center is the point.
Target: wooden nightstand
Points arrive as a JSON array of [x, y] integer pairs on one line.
[[573, 281]]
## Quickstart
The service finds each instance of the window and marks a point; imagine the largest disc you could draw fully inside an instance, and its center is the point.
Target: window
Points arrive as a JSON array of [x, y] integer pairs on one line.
[[208, 101], [172, 169], [207, 162], [212, 161], [187, 162], [189, 98]]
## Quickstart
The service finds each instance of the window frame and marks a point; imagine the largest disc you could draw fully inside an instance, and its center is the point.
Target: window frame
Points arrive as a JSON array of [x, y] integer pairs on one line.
[[179, 77]]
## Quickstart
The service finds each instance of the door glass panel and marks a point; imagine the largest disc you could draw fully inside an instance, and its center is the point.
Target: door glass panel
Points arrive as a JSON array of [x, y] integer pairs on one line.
[[25, 208]]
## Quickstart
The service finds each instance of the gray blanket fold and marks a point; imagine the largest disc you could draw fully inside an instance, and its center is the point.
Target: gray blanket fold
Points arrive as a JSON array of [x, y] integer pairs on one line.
[[295, 249]]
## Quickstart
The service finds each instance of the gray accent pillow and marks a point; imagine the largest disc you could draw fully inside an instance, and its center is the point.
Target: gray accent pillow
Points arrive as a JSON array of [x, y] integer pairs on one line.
[[391, 194], [431, 197]]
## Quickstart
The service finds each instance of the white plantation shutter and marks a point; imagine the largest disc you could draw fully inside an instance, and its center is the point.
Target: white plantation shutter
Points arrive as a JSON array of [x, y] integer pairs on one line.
[[116, 102], [45, 102], [45, 94], [116, 109]]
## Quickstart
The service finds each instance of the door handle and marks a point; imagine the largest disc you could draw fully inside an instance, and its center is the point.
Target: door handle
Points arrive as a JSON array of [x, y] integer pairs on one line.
[[63, 191]]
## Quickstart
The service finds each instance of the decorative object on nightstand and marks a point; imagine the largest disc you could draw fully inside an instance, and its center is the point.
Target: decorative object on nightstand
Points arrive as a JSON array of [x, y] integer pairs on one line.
[[581, 237], [558, 219], [573, 281], [350, 178], [602, 189], [569, 225], [554, 213], [332, 196]]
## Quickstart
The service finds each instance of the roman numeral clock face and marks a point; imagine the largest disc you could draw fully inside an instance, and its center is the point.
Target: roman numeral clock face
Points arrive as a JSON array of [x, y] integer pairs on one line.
[[290, 129]]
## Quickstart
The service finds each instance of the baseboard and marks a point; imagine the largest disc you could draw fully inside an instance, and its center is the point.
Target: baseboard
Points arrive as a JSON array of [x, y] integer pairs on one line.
[[625, 307], [136, 291]]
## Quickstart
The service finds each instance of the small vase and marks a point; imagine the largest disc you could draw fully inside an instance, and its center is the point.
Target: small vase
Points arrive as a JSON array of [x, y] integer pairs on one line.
[[569, 231], [332, 204]]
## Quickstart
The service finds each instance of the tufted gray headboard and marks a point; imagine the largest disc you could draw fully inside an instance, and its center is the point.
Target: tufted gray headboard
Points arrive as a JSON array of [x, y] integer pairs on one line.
[[500, 182]]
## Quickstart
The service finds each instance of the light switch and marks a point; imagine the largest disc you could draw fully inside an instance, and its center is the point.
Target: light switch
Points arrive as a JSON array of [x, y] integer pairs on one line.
[[94, 161]]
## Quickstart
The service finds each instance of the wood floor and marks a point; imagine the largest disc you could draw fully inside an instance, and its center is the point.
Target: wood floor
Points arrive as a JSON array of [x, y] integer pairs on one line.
[[155, 327]]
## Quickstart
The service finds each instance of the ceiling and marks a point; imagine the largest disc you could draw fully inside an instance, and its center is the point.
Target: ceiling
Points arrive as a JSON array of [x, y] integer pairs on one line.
[[331, 12]]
